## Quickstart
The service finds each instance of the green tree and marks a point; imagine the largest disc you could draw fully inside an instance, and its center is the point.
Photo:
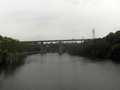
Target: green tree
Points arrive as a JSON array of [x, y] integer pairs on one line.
[[110, 37], [3, 56], [102, 48], [115, 52], [73, 49]]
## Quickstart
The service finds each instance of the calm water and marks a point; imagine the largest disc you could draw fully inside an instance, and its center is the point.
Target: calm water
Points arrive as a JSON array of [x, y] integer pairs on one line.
[[65, 72]]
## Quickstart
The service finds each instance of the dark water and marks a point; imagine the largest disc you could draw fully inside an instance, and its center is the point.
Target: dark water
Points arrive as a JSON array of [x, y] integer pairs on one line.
[[53, 72]]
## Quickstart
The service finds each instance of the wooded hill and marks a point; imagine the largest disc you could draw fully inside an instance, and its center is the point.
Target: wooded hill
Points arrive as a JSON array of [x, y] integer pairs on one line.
[[106, 47]]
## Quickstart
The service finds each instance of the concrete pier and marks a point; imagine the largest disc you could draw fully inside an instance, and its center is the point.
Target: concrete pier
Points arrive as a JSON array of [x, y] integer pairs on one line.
[[45, 49], [41, 47], [60, 48]]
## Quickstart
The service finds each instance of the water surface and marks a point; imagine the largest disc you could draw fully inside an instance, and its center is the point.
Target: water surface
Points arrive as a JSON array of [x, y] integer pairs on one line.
[[52, 71]]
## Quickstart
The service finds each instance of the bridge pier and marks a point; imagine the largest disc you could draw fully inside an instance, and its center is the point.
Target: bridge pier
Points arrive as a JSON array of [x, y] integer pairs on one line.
[[45, 49], [41, 47], [60, 48]]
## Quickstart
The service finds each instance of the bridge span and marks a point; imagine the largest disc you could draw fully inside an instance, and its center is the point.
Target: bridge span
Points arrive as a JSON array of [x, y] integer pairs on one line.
[[56, 40], [60, 45]]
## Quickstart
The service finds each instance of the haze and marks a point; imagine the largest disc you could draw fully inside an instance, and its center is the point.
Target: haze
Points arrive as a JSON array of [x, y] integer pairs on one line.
[[58, 19]]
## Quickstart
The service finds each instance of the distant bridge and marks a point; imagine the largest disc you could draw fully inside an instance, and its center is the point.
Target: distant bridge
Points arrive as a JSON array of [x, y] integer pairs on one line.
[[60, 46]]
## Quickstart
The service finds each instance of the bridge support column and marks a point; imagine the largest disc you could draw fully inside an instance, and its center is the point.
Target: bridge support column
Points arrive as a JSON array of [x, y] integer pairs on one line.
[[41, 47], [60, 48], [45, 49]]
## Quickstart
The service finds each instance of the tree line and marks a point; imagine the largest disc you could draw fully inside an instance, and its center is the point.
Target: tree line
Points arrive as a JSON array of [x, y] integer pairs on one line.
[[106, 47], [9, 45]]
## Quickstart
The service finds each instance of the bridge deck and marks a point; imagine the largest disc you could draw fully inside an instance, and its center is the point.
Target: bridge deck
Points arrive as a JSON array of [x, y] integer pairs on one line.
[[56, 40]]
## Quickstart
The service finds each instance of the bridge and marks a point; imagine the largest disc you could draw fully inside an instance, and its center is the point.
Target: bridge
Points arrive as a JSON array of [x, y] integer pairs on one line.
[[60, 45]]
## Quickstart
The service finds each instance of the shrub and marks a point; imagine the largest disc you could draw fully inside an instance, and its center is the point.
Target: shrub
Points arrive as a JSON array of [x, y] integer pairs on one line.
[[3, 56]]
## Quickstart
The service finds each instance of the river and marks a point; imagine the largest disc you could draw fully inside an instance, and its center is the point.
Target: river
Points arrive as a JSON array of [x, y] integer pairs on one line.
[[52, 71]]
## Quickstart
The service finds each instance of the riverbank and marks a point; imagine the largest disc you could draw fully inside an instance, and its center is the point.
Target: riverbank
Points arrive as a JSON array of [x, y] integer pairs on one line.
[[15, 55]]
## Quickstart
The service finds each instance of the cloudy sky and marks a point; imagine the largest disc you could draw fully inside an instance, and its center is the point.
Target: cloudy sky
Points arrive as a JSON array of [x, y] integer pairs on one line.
[[58, 19]]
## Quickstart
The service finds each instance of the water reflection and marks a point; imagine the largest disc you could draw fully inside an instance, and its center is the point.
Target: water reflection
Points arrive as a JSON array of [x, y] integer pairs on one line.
[[11, 66], [59, 72]]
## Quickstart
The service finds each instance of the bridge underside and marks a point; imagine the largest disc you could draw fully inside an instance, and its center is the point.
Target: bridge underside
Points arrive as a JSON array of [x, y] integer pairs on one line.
[[44, 50]]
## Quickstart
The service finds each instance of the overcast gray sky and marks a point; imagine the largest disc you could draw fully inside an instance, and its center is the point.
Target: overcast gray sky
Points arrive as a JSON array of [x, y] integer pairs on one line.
[[58, 19]]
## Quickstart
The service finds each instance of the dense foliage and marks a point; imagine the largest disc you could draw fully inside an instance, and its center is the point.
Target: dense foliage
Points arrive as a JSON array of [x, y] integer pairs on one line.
[[106, 47], [3, 56], [9, 45]]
